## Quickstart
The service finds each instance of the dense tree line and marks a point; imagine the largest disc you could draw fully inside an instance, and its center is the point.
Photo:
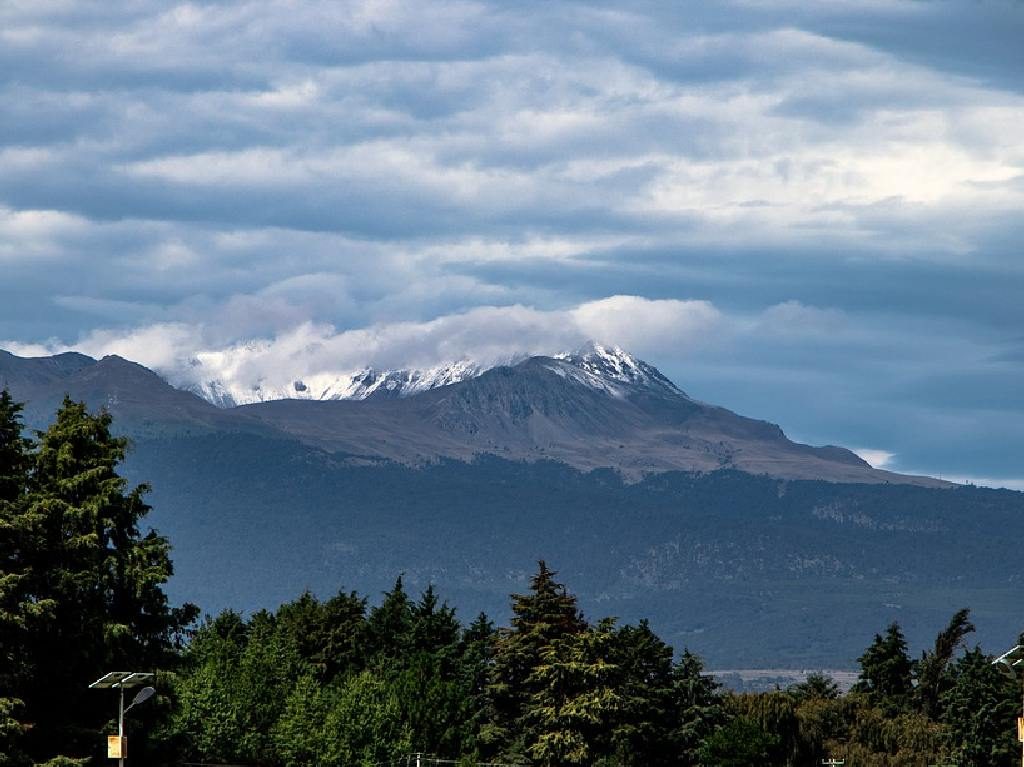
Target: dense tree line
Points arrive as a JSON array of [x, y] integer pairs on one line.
[[343, 682]]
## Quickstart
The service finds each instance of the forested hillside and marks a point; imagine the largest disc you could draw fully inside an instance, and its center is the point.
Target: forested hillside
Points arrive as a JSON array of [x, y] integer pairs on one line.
[[811, 568]]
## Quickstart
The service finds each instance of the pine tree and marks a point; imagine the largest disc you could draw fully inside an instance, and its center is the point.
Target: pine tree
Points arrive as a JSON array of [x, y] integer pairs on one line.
[[979, 707], [699, 707], [643, 728], [886, 670], [435, 629], [330, 635], [476, 656], [575, 699], [15, 450], [18, 610], [389, 626], [83, 554], [545, 615]]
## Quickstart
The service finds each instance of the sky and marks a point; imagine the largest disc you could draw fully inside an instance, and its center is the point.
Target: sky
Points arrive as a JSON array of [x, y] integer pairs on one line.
[[807, 211]]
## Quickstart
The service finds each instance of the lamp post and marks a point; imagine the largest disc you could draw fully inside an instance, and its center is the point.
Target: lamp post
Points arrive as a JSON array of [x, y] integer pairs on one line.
[[1012, 661], [121, 681]]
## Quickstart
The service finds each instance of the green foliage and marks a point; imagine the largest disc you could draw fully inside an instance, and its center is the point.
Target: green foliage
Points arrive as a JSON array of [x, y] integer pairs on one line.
[[81, 586], [931, 669], [980, 704], [740, 743], [886, 670], [698, 708], [816, 687], [540, 619], [575, 700]]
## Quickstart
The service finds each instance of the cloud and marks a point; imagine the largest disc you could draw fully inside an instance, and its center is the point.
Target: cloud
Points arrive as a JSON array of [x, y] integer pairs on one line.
[[806, 211], [486, 335], [665, 327], [879, 459]]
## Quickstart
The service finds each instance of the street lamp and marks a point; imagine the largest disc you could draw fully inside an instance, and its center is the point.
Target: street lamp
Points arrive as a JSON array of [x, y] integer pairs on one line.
[[117, 748], [1012, 661]]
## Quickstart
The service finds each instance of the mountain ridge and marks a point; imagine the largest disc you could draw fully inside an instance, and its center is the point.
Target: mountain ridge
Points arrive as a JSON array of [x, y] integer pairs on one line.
[[595, 408]]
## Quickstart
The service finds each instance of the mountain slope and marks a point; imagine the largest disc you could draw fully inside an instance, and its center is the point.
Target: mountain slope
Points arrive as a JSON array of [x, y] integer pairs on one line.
[[562, 409], [748, 571], [595, 408], [143, 403], [466, 485]]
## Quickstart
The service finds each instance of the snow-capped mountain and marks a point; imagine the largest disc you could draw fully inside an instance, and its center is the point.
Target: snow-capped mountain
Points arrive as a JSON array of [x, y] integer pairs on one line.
[[612, 370], [607, 369], [360, 384]]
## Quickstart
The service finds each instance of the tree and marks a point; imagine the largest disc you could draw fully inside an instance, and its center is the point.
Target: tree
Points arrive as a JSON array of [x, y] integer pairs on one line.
[[18, 611], [329, 636], [79, 550], [698, 705], [979, 707], [545, 615], [575, 699], [389, 627], [476, 656], [642, 733], [15, 450], [816, 686], [886, 670], [740, 743], [931, 669]]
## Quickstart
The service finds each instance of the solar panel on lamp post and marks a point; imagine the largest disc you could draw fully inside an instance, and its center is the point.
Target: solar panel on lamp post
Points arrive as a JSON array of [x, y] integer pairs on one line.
[[1012, 661], [121, 681]]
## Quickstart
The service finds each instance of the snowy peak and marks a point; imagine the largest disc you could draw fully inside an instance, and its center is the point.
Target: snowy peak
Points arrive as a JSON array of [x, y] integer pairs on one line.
[[610, 370], [614, 371], [359, 385]]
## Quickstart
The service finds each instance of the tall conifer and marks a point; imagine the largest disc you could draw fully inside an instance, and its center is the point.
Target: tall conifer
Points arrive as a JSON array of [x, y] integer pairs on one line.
[[540, 618]]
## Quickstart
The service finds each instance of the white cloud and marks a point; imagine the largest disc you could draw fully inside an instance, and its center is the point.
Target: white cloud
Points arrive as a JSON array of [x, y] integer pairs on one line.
[[879, 459], [484, 334], [667, 327]]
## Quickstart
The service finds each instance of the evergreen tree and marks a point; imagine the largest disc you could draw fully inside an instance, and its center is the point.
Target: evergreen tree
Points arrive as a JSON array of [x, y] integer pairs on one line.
[[545, 615], [389, 626], [980, 706], [476, 655], [816, 687], [330, 636], [435, 630], [698, 705], [18, 611], [81, 553], [575, 700], [15, 450], [886, 670], [643, 728]]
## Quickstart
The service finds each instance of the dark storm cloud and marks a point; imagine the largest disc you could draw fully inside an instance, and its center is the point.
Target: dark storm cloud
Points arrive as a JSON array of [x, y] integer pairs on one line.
[[822, 197]]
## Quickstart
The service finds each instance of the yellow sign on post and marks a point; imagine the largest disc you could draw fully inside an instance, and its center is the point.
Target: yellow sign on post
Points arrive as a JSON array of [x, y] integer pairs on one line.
[[1020, 728], [117, 747]]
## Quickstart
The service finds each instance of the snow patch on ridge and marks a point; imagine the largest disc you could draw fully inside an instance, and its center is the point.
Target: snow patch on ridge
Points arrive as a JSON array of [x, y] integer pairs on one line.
[[607, 369], [612, 370]]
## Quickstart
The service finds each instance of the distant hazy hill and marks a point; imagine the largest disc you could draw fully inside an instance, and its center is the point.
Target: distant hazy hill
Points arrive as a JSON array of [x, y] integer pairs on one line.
[[748, 548]]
